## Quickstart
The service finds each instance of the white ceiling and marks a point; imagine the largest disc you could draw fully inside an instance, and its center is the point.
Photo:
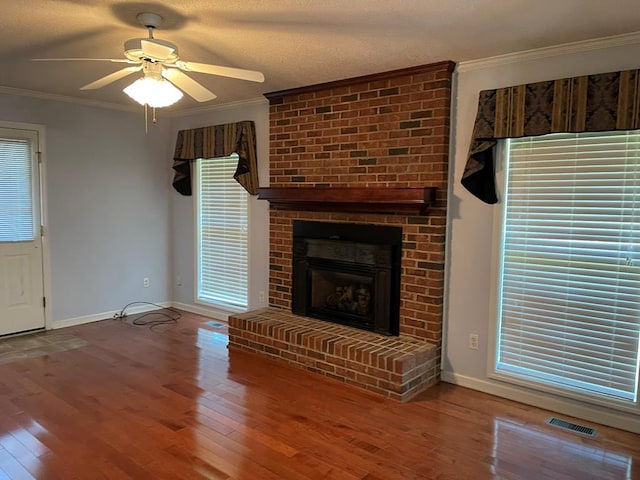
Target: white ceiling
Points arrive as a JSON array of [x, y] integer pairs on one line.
[[293, 42]]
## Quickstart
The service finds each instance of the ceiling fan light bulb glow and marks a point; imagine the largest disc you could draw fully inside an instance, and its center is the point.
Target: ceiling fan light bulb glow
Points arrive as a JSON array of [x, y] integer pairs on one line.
[[154, 92]]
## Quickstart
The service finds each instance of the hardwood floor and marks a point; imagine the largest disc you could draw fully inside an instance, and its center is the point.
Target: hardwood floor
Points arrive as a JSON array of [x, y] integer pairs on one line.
[[171, 403]]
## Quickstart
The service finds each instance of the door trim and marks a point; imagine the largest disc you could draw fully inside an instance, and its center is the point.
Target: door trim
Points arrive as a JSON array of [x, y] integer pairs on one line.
[[44, 217]]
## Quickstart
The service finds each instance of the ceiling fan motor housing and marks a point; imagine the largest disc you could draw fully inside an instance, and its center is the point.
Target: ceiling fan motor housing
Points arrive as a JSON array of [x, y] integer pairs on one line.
[[133, 50]]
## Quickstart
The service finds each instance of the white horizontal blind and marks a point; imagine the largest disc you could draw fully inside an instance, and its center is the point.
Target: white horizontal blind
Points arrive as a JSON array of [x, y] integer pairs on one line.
[[16, 191], [570, 276], [222, 234]]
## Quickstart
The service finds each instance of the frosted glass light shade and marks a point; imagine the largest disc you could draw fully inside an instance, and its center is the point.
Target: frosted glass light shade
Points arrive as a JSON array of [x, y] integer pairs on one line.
[[155, 92]]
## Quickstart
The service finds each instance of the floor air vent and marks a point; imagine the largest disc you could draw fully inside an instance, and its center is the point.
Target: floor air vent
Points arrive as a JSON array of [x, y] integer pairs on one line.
[[214, 324], [572, 427]]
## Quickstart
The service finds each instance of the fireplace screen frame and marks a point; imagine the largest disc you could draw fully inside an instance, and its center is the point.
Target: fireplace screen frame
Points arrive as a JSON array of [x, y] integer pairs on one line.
[[371, 251]]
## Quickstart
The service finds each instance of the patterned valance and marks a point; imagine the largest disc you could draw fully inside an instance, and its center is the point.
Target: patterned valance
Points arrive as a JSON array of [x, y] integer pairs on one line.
[[217, 141], [593, 103]]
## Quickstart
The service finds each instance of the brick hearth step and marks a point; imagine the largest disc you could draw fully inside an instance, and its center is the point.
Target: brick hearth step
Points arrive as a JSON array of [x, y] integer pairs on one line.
[[398, 367]]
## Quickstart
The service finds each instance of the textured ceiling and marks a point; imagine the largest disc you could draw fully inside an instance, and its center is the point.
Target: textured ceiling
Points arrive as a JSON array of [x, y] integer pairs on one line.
[[293, 42]]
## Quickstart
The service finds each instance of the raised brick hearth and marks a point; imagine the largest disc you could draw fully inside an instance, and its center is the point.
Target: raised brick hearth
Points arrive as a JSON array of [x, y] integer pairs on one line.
[[398, 367], [389, 130]]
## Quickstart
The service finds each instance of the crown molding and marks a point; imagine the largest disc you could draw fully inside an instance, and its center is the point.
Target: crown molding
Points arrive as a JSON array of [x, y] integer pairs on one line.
[[63, 98], [554, 51], [129, 108], [218, 107]]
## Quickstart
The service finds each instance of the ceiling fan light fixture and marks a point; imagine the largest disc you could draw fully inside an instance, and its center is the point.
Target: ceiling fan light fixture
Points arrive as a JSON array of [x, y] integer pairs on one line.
[[154, 92]]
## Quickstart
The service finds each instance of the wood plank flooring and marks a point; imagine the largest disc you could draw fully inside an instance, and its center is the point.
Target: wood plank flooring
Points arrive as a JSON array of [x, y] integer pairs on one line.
[[171, 403]]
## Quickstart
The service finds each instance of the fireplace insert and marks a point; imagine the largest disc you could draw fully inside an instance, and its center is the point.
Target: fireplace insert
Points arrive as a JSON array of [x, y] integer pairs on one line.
[[348, 273]]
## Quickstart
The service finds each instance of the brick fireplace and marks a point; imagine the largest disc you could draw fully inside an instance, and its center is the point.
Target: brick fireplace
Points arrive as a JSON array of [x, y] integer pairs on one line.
[[379, 133]]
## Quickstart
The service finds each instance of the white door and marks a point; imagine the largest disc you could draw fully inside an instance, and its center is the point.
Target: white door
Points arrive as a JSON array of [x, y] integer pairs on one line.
[[21, 276]]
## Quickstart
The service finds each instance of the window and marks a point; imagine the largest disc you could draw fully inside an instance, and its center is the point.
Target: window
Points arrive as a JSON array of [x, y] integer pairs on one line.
[[568, 302], [16, 190], [222, 251]]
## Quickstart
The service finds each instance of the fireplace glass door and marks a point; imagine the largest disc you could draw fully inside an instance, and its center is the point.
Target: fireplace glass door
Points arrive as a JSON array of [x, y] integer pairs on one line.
[[340, 293], [348, 274]]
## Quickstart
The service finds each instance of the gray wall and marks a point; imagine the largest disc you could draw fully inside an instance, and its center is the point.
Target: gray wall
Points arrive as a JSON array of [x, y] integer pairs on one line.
[[113, 218], [472, 226], [108, 204], [183, 210]]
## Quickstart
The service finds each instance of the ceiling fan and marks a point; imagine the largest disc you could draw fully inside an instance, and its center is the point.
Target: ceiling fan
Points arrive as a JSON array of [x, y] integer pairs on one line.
[[159, 61]]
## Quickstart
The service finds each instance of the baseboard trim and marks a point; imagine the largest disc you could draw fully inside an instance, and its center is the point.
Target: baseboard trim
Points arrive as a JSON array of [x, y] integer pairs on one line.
[[622, 421], [214, 313], [71, 322]]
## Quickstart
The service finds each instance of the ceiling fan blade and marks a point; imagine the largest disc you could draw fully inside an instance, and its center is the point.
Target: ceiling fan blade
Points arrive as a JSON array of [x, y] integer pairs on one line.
[[239, 73], [114, 60], [155, 50], [112, 77], [190, 86]]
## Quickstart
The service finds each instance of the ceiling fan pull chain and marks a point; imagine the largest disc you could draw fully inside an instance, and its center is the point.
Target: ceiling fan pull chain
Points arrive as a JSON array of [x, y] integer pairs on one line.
[[154, 121], [146, 120]]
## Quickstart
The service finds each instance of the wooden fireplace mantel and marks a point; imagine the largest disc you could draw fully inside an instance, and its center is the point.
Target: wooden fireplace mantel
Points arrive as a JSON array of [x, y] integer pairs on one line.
[[408, 201]]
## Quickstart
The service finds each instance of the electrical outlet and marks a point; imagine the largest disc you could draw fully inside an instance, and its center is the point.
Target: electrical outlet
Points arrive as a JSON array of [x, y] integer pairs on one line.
[[146, 282], [473, 341], [261, 297]]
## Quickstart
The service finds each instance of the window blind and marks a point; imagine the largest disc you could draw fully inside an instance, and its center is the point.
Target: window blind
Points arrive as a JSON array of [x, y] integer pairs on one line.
[[570, 275], [16, 191], [222, 234]]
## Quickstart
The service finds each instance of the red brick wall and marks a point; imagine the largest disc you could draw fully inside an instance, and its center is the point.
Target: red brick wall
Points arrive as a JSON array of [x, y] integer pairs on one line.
[[382, 130]]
